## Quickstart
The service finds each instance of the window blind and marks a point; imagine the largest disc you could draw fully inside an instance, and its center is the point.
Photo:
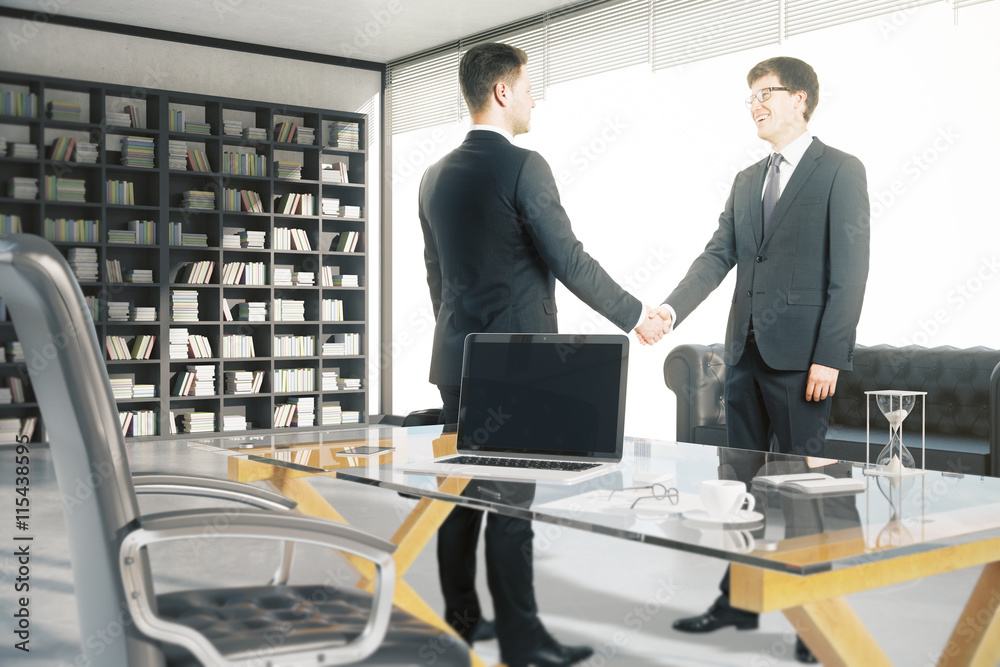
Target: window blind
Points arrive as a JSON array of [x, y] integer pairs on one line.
[[808, 15], [603, 39], [424, 92], [685, 32]]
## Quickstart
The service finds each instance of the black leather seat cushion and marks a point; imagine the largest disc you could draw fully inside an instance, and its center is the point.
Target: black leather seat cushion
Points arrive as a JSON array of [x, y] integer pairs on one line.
[[259, 619]]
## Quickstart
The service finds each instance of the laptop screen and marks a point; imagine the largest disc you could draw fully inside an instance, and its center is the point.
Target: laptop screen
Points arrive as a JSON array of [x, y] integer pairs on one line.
[[550, 395]]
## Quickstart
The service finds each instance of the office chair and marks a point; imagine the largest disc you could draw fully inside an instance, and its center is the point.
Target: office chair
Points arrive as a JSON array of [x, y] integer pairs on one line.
[[275, 624]]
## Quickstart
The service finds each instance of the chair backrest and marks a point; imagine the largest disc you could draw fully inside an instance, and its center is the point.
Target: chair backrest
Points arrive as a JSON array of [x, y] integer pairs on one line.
[[78, 409]]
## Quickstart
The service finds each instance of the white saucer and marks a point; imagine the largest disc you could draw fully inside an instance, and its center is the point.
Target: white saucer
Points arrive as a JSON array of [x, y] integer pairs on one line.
[[735, 520]]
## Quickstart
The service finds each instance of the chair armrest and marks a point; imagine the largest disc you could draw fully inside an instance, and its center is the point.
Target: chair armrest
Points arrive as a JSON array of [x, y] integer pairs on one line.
[[212, 488], [994, 463], [222, 489], [211, 524], [696, 374]]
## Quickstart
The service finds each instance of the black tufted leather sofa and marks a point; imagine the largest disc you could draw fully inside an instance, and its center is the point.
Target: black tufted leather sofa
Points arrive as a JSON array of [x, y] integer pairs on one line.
[[963, 402]]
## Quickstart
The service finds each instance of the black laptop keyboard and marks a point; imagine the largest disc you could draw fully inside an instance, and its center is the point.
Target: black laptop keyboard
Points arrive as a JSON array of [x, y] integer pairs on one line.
[[531, 464]]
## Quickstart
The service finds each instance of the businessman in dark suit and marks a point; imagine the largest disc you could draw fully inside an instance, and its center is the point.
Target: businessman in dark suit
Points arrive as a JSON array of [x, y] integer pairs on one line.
[[496, 239], [796, 227]]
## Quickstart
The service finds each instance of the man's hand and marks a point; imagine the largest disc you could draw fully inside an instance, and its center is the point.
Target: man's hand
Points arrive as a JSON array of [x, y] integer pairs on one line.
[[822, 382], [652, 328], [664, 314]]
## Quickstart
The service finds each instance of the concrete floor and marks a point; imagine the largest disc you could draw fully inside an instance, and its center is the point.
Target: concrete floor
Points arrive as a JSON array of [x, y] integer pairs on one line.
[[591, 589]]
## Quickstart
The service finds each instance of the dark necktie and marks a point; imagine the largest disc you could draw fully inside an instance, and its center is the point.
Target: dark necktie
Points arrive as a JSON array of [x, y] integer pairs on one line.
[[771, 190]]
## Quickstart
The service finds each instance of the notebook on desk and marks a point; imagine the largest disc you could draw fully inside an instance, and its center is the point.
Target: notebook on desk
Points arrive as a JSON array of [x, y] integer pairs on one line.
[[540, 407]]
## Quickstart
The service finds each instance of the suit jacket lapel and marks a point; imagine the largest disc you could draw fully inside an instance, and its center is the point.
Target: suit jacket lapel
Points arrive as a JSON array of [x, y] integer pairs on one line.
[[799, 177], [756, 206]]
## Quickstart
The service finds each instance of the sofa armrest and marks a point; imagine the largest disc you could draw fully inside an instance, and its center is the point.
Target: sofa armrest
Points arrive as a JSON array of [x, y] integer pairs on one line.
[[696, 374], [994, 463]]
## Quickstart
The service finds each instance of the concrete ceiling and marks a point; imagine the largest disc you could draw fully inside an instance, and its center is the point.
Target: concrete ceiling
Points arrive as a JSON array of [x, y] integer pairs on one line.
[[375, 30]]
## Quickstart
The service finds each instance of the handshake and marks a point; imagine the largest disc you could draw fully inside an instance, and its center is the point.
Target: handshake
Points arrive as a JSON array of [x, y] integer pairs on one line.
[[657, 323]]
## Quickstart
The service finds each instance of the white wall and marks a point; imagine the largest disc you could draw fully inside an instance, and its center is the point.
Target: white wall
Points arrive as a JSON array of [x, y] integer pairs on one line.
[[645, 161], [29, 47]]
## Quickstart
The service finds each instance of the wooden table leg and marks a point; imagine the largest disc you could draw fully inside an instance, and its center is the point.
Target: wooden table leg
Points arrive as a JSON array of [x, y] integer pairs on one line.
[[836, 635], [975, 641]]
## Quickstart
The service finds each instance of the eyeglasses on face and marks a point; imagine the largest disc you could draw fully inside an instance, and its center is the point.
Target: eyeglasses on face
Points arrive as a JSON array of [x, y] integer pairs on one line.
[[764, 94], [659, 492]]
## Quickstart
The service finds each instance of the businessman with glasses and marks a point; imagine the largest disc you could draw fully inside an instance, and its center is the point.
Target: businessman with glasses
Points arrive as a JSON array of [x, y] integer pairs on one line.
[[796, 227]]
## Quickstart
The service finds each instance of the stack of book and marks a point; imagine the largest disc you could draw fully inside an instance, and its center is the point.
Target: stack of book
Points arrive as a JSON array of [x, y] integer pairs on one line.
[[251, 239], [143, 313], [113, 270], [331, 279], [197, 160], [305, 411], [15, 353], [65, 189], [198, 380], [83, 261], [22, 150], [120, 192], [69, 111], [350, 417], [331, 413], [139, 276], [294, 346], [255, 133], [22, 187], [144, 391], [199, 347], [234, 418], [349, 384], [252, 311], [334, 172], [12, 427], [178, 343], [232, 127], [243, 382], [192, 127], [345, 135], [304, 278], [5, 396], [62, 149], [288, 170], [178, 237], [85, 153], [198, 422], [121, 386], [199, 199], [288, 310], [333, 310], [118, 311], [329, 380], [77, 231], [330, 206], [117, 119], [237, 346], [178, 155], [305, 135], [138, 151], [282, 276], [350, 211], [184, 306], [231, 237], [291, 380]]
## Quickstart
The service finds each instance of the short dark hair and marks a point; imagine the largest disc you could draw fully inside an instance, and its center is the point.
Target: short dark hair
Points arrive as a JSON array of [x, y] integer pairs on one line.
[[793, 73], [483, 67]]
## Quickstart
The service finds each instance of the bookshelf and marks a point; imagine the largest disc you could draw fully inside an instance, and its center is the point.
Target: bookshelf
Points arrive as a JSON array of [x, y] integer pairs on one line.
[[248, 234]]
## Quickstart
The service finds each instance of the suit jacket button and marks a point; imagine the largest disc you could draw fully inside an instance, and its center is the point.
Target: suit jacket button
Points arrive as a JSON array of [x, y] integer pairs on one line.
[[750, 292], [759, 259]]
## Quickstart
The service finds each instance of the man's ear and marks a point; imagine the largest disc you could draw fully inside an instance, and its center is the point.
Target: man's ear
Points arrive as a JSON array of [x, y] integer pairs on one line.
[[501, 93]]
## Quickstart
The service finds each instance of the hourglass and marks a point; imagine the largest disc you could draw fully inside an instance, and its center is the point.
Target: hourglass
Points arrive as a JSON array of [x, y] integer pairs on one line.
[[895, 459]]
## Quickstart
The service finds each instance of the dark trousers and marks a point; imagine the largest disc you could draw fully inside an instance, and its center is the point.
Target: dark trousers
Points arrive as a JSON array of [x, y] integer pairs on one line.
[[509, 561], [763, 403]]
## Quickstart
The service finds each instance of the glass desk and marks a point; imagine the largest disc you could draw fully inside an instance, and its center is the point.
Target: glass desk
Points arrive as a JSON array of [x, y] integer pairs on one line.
[[800, 550]]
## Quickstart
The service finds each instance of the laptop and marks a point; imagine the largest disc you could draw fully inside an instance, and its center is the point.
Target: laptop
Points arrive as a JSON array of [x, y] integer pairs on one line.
[[540, 407]]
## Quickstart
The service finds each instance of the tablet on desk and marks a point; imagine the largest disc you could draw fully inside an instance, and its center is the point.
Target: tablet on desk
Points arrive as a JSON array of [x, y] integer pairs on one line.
[[364, 450]]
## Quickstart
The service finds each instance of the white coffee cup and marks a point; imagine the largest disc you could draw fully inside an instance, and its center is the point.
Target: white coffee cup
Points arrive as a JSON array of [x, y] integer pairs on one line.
[[724, 497]]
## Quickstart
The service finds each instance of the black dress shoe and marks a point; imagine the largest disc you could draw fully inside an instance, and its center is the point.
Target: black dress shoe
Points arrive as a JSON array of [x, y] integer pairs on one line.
[[717, 617], [553, 654], [482, 631], [803, 654]]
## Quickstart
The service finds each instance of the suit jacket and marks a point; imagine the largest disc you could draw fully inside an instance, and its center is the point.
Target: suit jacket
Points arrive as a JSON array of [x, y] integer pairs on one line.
[[496, 239], [803, 283]]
